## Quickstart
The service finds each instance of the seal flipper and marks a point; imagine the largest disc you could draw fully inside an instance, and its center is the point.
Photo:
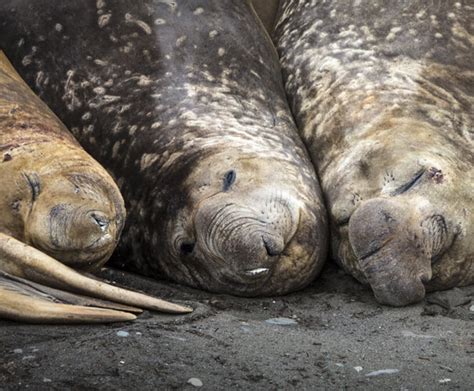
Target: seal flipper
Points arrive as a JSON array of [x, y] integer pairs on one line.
[[68, 297], [24, 261], [22, 302]]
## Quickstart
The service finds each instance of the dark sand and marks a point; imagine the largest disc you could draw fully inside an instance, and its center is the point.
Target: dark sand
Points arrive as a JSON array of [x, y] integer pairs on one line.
[[337, 337]]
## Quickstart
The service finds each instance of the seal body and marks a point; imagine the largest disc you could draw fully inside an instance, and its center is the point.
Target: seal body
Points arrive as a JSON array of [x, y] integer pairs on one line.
[[383, 97], [58, 209], [183, 102], [54, 196]]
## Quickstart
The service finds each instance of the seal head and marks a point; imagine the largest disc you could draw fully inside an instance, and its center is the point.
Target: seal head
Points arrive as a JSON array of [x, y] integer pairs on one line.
[[74, 217], [245, 229]]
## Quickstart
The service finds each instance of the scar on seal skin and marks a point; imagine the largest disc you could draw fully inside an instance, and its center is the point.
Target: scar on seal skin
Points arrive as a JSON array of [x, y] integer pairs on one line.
[[183, 102], [59, 210], [382, 93]]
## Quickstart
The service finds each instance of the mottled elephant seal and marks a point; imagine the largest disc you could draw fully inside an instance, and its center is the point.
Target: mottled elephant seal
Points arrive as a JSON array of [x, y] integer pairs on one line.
[[183, 101], [383, 96], [58, 209]]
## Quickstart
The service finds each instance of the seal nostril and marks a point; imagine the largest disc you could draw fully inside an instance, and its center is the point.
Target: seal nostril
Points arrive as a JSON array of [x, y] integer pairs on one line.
[[187, 248], [271, 248], [424, 278]]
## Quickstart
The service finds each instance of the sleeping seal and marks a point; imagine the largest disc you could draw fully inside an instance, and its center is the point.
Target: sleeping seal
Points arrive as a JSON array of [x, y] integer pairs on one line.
[[58, 209], [382, 93], [183, 102]]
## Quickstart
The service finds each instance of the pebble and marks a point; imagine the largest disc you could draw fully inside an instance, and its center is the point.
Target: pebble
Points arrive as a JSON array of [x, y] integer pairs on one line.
[[18, 351], [382, 372], [46, 380], [358, 369], [194, 381], [471, 308], [122, 333], [407, 333], [444, 381], [282, 321]]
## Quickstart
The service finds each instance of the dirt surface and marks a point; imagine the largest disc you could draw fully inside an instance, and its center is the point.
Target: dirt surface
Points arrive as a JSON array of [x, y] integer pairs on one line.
[[332, 335]]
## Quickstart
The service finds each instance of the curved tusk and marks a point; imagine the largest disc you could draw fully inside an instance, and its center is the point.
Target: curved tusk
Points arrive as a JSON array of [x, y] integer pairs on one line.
[[25, 261]]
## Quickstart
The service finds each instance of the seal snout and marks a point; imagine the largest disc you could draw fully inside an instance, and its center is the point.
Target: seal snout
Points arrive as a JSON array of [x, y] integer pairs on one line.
[[394, 246], [274, 246], [247, 237]]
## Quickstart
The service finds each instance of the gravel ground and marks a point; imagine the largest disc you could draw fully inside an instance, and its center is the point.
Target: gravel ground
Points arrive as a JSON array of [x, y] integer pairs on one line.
[[332, 335]]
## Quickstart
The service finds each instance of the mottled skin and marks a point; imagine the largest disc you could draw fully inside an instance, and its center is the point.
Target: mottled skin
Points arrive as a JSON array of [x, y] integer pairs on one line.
[[183, 102], [382, 93]]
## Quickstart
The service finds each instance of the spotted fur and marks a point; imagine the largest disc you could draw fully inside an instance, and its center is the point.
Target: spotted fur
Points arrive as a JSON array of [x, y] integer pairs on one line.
[[170, 96]]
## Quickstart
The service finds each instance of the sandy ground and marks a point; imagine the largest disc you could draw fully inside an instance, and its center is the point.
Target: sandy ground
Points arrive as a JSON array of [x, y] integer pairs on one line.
[[332, 335]]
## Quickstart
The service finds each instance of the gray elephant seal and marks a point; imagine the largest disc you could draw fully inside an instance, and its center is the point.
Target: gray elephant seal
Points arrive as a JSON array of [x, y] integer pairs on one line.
[[383, 96], [59, 209], [183, 102]]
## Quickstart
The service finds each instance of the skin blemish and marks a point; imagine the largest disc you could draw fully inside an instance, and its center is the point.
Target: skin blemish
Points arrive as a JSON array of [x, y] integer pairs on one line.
[[436, 175], [7, 157], [229, 179]]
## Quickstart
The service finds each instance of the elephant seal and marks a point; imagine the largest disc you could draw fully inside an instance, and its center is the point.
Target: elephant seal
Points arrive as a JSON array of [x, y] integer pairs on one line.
[[382, 93], [59, 209], [183, 102]]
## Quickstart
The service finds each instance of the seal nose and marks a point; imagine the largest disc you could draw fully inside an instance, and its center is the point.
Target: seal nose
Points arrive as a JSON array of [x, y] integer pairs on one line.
[[274, 246], [400, 293], [390, 250]]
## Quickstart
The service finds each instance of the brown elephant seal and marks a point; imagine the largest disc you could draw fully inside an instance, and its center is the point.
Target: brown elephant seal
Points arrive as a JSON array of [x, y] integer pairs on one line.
[[58, 209], [183, 102], [382, 93]]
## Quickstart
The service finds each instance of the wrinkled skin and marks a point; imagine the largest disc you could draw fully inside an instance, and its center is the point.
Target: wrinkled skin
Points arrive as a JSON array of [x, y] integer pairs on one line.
[[58, 209], [220, 191], [383, 96]]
